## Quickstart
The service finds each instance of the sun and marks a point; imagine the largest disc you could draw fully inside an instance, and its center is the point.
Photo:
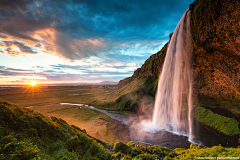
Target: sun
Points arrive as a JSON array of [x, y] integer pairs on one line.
[[33, 83]]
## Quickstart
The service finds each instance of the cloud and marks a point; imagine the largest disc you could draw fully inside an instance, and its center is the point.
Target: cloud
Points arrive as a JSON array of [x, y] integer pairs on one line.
[[11, 46], [75, 67], [18, 81], [59, 73], [12, 5], [76, 29], [4, 71]]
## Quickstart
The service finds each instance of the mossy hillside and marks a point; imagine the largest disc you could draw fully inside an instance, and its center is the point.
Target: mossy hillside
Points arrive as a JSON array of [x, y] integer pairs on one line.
[[158, 152], [128, 101], [52, 138], [46, 100], [217, 102], [133, 150], [145, 83], [129, 96], [126, 149], [27, 134], [130, 87], [217, 152], [149, 71], [91, 120], [224, 125]]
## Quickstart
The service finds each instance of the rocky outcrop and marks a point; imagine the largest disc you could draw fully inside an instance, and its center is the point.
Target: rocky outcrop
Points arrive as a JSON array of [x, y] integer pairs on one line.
[[216, 47]]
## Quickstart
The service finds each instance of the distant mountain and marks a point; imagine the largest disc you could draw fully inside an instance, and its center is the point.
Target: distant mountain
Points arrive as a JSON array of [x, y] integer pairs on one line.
[[108, 82]]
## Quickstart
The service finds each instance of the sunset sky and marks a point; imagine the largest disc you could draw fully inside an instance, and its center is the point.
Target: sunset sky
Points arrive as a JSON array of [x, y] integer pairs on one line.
[[81, 41]]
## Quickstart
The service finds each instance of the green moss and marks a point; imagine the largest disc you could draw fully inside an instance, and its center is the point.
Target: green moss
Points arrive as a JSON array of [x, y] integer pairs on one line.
[[28, 134], [119, 155], [167, 158], [135, 90], [227, 126], [219, 102], [147, 156], [126, 158], [123, 113], [163, 150], [45, 142], [122, 147], [200, 151]]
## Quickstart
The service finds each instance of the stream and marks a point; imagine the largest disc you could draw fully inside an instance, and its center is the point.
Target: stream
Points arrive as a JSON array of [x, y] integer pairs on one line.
[[202, 135]]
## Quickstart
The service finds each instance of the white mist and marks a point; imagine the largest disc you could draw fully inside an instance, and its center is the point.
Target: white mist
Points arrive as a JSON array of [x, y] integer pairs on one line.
[[173, 104]]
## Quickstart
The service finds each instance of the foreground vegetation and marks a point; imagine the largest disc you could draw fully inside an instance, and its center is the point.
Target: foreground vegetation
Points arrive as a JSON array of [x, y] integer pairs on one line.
[[27, 134], [225, 125], [46, 100]]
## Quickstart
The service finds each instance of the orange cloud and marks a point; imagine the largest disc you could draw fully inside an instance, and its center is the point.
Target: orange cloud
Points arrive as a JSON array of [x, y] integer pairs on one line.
[[52, 42]]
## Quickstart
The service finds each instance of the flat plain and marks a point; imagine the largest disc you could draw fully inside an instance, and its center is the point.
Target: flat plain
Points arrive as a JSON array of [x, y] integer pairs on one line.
[[47, 100]]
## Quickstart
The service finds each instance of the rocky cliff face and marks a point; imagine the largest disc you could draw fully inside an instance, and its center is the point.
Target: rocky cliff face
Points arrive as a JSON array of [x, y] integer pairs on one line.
[[215, 27]]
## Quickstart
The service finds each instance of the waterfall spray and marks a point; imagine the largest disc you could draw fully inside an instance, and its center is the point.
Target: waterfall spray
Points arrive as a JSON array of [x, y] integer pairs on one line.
[[173, 104]]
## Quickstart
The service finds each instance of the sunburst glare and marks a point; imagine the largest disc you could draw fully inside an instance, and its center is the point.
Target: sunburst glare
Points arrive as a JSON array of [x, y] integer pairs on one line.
[[33, 83]]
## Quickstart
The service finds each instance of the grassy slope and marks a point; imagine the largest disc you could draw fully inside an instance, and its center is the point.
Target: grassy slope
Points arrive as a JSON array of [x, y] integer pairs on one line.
[[227, 126], [92, 121], [46, 101], [128, 96], [27, 134]]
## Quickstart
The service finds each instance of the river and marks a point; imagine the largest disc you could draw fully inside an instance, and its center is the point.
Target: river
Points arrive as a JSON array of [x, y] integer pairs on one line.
[[202, 135]]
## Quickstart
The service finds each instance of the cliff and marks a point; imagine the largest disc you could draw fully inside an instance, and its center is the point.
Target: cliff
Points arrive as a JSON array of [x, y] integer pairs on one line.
[[216, 50], [151, 67], [216, 47], [215, 60]]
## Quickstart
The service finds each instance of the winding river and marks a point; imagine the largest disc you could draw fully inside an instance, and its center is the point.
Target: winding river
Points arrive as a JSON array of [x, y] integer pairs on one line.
[[202, 135]]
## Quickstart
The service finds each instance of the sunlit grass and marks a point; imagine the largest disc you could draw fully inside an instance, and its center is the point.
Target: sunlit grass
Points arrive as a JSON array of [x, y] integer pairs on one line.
[[138, 83], [47, 101], [82, 117], [37, 95]]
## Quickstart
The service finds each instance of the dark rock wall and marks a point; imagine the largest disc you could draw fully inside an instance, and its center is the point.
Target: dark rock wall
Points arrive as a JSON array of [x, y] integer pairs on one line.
[[215, 27]]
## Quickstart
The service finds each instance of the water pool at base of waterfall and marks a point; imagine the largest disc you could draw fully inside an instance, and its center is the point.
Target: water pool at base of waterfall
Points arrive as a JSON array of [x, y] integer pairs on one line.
[[164, 138]]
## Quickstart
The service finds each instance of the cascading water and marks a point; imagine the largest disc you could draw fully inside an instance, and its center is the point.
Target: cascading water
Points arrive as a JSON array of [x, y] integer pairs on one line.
[[173, 104]]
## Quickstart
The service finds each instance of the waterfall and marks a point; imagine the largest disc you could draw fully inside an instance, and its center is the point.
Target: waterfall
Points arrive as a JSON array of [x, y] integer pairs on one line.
[[173, 103]]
